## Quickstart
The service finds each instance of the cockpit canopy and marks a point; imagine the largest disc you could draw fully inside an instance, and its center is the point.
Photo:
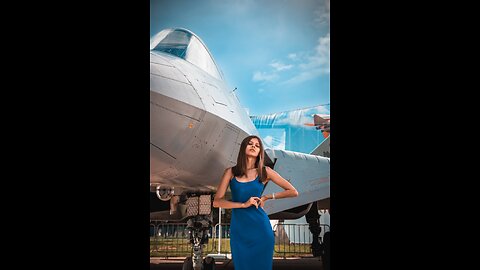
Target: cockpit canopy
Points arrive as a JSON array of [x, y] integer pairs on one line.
[[185, 44]]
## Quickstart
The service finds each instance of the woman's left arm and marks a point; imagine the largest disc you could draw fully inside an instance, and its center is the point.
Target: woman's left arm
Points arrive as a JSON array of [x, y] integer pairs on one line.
[[289, 190]]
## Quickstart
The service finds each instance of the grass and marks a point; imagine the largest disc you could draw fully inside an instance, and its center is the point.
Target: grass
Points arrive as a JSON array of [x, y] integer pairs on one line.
[[178, 247]]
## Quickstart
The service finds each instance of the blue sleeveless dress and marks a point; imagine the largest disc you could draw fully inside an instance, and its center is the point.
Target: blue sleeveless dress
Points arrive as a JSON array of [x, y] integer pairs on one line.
[[251, 235]]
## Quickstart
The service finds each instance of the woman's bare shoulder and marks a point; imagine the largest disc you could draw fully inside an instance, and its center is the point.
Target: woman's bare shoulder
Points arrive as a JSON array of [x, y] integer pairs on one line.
[[228, 171], [269, 170]]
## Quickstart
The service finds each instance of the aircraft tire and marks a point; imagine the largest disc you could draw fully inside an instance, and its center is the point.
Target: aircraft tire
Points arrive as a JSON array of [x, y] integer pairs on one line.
[[209, 263], [188, 264]]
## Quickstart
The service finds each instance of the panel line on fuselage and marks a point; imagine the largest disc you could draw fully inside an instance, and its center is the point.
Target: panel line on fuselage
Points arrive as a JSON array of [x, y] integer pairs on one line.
[[170, 78], [170, 110], [162, 150]]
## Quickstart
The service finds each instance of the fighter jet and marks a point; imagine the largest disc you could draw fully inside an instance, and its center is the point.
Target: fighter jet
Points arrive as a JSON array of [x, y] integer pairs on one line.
[[196, 126], [322, 123]]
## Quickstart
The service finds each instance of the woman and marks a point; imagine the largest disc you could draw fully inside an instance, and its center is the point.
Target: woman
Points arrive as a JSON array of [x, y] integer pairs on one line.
[[251, 235]]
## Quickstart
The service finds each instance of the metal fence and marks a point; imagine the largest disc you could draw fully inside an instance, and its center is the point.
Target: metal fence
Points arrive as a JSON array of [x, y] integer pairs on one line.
[[294, 239], [173, 240]]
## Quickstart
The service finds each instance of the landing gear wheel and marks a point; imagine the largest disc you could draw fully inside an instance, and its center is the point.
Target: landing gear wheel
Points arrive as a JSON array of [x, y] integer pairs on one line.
[[209, 263], [188, 264]]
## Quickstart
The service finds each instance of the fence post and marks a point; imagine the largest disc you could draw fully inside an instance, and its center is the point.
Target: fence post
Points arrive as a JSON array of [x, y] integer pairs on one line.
[[219, 229]]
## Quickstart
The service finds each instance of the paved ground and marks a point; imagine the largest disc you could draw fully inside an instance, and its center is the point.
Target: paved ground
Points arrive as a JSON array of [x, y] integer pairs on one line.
[[305, 263]]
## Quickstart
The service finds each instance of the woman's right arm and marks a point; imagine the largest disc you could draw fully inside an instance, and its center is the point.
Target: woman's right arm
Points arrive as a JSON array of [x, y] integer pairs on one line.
[[219, 200]]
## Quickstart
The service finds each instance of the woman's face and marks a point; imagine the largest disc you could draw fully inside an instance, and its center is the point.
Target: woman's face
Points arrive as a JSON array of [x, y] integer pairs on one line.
[[253, 148]]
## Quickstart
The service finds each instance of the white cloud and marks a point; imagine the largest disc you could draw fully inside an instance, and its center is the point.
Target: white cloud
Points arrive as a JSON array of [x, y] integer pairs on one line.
[[279, 66], [292, 56], [322, 15], [307, 75], [261, 90], [311, 64], [316, 64], [321, 56], [267, 77], [264, 76]]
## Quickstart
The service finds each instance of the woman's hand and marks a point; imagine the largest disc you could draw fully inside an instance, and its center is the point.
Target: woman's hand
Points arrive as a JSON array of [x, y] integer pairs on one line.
[[252, 201], [262, 201]]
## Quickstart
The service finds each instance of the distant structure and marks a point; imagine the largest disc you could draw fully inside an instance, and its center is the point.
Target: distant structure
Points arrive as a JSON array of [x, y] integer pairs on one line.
[[299, 130]]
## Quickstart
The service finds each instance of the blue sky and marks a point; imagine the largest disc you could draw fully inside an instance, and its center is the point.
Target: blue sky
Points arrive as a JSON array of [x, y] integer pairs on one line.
[[276, 52]]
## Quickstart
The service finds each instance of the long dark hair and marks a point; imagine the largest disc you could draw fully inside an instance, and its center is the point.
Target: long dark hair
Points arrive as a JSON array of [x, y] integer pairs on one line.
[[241, 167]]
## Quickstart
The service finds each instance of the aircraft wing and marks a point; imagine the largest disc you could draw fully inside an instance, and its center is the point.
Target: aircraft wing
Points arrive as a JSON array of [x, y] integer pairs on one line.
[[322, 149], [309, 174]]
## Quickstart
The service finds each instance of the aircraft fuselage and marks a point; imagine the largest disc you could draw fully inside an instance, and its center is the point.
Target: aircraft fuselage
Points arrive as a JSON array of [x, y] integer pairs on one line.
[[196, 125]]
